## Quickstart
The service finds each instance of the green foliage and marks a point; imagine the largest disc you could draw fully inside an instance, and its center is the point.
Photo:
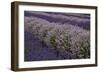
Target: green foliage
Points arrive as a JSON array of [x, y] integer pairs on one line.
[[84, 50], [53, 41]]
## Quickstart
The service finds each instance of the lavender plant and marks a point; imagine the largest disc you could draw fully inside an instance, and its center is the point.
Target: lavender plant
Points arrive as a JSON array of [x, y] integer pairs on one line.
[[61, 37]]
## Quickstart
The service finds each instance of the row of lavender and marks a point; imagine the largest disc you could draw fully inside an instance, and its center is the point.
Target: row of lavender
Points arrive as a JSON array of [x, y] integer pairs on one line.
[[61, 37], [77, 19]]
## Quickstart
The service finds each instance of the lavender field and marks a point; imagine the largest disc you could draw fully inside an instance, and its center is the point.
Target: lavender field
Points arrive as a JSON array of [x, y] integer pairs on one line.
[[56, 36]]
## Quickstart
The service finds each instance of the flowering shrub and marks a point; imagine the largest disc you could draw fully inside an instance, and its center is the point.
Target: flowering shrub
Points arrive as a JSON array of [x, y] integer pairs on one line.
[[61, 37]]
